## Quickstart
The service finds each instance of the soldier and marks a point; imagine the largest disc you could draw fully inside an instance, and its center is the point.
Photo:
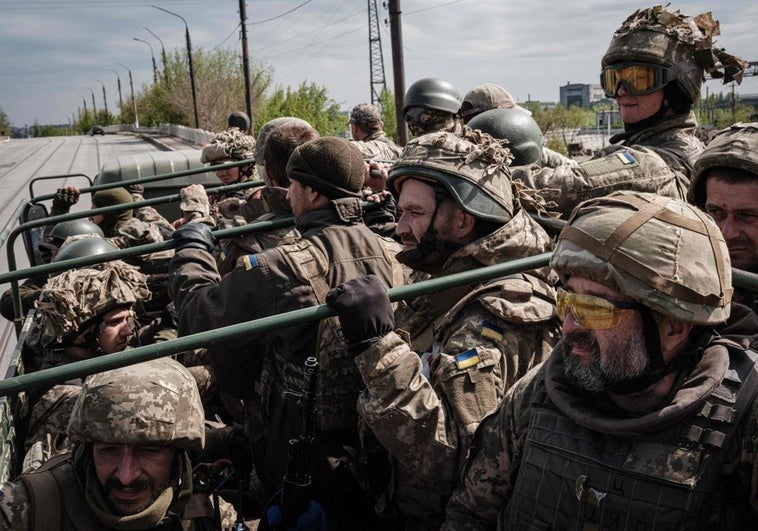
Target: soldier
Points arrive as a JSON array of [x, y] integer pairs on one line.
[[654, 69], [432, 105], [367, 130], [725, 185], [326, 177], [239, 120], [260, 141], [485, 97], [642, 417], [81, 313], [459, 213], [135, 432], [121, 228]]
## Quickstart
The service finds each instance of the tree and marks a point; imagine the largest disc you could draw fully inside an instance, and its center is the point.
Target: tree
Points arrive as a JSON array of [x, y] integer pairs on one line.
[[5, 124], [309, 102], [559, 124], [387, 106]]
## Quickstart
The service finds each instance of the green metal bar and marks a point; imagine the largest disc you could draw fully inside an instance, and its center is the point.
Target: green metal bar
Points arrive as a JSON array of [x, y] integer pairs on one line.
[[153, 178], [50, 177], [256, 327]]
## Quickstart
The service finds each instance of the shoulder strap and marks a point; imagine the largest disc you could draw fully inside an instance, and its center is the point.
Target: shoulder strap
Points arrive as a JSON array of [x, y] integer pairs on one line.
[[45, 499]]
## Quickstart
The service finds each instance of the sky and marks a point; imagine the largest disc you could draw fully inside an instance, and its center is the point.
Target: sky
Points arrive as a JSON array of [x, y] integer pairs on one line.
[[54, 53]]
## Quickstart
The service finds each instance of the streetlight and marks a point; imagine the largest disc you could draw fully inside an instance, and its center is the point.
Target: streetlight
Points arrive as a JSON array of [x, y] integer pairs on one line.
[[120, 101], [105, 104], [94, 107], [152, 54], [163, 53], [189, 56], [134, 102]]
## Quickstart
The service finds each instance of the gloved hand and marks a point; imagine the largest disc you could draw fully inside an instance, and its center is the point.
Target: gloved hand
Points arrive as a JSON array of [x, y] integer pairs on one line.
[[194, 236], [63, 200], [314, 519], [136, 189], [364, 310]]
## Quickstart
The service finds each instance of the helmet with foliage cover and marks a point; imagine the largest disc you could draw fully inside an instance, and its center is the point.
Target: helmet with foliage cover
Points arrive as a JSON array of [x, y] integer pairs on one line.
[[472, 168], [609, 240], [683, 45], [517, 127], [156, 403], [69, 302], [734, 147], [229, 145]]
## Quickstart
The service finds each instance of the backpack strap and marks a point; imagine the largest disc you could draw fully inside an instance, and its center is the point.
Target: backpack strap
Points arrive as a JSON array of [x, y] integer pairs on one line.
[[45, 499]]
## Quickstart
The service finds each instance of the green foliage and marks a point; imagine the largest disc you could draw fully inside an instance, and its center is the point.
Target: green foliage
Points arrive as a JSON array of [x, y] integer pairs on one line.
[[387, 106], [560, 124], [721, 110], [309, 102], [5, 124]]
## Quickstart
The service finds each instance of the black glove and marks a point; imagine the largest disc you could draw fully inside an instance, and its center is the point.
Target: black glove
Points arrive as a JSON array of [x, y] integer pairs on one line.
[[194, 236], [64, 199], [136, 189], [364, 310]]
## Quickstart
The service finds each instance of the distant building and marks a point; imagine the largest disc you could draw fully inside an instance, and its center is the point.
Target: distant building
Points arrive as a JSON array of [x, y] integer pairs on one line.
[[580, 94]]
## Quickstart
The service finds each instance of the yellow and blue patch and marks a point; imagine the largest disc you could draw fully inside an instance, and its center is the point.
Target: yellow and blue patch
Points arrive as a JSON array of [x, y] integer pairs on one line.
[[467, 359], [250, 261], [491, 331], [625, 157]]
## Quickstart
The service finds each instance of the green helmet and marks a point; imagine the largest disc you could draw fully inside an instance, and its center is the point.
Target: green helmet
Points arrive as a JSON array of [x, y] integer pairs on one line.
[[229, 145], [733, 147], [522, 132], [82, 245], [609, 240], [238, 119], [156, 402], [71, 300], [74, 227], [476, 175], [432, 93], [679, 43]]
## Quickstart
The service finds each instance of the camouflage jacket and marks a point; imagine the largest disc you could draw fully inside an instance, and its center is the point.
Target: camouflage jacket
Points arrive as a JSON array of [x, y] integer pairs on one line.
[[501, 449], [133, 232], [270, 283], [656, 159], [378, 146], [424, 410]]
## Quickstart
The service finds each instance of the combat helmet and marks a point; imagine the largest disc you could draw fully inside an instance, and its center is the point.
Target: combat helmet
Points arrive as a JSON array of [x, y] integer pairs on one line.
[[476, 175], [609, 240], [71, 301], [682, 45], [73, 227], [239, 120], [156, 402], [485, 97], [229, 145], [733, 147], [522, 132], [432, 93], [81, 245]]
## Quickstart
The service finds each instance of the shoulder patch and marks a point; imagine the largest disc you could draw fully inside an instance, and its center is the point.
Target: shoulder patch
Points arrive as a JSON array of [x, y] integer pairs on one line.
[[250, 261], [467, 359], [491, 331], [625, 157]]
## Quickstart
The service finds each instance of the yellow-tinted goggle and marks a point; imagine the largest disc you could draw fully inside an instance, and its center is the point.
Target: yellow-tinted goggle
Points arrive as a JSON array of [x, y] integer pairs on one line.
[[638, 79], [594, 312]]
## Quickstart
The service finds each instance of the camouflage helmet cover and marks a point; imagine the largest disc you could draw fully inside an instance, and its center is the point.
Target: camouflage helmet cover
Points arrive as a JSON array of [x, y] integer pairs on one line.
[[485, 97], [366, 115], [156, 402], [472, 167], [230, 144], [71, 299], [733, 147], [609, 240], [675, 41]]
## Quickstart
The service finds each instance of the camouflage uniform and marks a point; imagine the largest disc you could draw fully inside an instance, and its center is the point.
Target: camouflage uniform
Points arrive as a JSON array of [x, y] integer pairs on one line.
[[119, 407], [556, 455], [228, 146]]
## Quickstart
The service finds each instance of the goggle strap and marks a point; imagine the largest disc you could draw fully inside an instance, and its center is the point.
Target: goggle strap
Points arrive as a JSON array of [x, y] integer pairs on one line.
[[680, 70]]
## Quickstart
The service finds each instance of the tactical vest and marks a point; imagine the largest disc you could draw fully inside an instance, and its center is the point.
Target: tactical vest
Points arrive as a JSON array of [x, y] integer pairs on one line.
[[682, 477], [57, 503]]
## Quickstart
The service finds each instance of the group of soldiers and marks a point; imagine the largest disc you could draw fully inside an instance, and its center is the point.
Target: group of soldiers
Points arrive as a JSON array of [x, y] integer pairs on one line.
[[614, 388]]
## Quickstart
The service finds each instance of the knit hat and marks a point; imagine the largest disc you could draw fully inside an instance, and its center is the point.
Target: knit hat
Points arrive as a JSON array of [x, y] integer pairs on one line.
[[113, 196], [329, 165]]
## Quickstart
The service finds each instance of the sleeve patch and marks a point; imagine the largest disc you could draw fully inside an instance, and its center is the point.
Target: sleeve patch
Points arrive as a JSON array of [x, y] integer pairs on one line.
[[250, 261], [467, 359], [491, 331], [625, 157]]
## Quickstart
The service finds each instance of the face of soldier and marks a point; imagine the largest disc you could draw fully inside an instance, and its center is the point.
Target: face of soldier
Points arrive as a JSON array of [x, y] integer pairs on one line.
[[228, 175], [300, 197], [734, 207], [598, 360], [634, 109], [132, 476], [116, 329]]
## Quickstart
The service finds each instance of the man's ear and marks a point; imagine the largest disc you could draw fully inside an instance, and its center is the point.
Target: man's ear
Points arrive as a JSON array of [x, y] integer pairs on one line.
[[464, 225], [674, 335]]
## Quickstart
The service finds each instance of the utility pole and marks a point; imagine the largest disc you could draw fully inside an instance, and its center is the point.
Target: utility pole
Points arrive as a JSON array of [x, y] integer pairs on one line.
[[398, 69], [134, 102], [120, 101], [246, 65], [152, 55], [163, 54], [94, 107], [105, 104], [376, 56]]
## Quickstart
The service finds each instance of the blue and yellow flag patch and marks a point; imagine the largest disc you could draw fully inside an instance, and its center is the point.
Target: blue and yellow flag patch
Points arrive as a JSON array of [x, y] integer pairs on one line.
[[491, 331], [467, 359], [625, 157], [250, 261]]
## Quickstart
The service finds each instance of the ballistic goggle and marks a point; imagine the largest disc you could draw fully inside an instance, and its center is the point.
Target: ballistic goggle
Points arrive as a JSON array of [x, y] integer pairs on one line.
[[638, 78], [594, 312]]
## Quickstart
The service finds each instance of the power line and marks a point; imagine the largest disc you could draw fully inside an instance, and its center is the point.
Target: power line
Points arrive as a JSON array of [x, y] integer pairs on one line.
[[280, 16]]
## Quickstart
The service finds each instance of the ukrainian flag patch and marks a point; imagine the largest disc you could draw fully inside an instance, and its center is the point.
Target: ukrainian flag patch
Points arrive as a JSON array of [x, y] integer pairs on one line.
[[491, 331], [467, 359], [250, 261], [625, 157]]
